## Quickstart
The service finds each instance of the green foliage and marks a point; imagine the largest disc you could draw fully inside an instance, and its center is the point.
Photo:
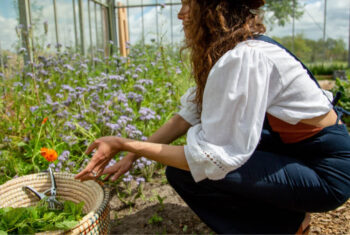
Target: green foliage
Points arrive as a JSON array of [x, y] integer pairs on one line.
[[283, 11], [155, 219], [161, 202], [39, 218], [323, 69], [344, 102], [312, 51]]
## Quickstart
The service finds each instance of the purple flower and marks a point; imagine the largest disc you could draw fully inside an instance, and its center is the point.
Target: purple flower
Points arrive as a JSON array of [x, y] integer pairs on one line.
[[139, 180], [132, 131], [6, 139], [147, 114], [33, 108], [123, 120], [16, 84], [138, 70], [22, 50], [145, 82], [69, 125], [68, 88], [139, 87], [116, 77], [64, 156], [112, 126], [44, 72], [84, 66], [178, 70], [69, 67]]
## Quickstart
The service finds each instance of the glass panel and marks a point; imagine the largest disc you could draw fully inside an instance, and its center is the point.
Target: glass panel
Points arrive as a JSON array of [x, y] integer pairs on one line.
[[87, 41], [178, 34], [99, 21], [135, 22], [8, 21], [150, 23], [43, 21], [91, 26], [65, 19]]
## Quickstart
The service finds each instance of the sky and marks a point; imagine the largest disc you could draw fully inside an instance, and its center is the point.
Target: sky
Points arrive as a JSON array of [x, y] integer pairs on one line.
[[310, 24]]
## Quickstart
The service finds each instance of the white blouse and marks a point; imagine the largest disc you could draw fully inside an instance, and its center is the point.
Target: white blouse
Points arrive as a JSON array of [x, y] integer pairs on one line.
[[246, 82]]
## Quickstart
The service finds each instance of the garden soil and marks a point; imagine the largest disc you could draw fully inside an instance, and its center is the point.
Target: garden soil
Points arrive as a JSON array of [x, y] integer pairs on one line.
[[159, 210]]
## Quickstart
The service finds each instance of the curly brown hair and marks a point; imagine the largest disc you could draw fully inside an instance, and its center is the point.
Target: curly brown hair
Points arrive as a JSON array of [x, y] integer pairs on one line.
[[214, 28]]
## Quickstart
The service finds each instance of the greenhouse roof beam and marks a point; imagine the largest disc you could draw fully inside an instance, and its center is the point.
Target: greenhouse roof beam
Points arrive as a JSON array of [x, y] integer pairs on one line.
[[150, 5]]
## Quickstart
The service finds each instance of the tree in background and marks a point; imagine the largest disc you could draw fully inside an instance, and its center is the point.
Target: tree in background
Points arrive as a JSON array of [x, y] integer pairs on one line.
[[282, 11], [311, 51]]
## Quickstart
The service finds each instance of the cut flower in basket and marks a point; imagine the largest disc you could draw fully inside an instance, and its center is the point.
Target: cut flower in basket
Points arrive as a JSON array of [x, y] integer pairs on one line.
[[49, 154]]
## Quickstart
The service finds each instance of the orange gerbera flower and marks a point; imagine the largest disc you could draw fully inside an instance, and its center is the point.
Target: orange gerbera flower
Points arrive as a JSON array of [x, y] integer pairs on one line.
[[44, 120], [49, 154]]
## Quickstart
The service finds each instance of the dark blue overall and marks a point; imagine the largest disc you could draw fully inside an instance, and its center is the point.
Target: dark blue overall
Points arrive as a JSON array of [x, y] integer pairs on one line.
[[272, 191]]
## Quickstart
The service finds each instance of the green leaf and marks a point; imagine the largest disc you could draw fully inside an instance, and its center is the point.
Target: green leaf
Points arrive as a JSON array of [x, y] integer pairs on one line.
[[21, 144], [67, 224], [3, 232], [13, 215], [25, 229]]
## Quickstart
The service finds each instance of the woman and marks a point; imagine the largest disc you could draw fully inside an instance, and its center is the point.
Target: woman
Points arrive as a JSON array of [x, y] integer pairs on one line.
[[238, 176]]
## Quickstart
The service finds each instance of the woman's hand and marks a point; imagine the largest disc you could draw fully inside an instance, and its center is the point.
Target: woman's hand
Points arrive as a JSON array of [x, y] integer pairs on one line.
[[106, 148], [120, 168]]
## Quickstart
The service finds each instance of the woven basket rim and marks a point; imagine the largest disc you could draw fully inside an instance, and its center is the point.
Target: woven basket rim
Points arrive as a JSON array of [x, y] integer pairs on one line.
[[92, 218]]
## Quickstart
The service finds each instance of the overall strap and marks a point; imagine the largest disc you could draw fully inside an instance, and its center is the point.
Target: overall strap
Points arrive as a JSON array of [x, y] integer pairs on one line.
[[339, 110], [270, 40]]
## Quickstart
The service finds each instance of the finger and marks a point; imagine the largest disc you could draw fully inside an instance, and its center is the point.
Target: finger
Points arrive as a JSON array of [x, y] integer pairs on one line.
[[86, 177], [107, 177], [82, 173], [88, 169], [91, 147], [117, 175]]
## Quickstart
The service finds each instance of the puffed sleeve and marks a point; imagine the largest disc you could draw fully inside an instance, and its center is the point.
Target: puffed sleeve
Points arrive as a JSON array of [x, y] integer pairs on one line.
[[235, 100], [188, 110]]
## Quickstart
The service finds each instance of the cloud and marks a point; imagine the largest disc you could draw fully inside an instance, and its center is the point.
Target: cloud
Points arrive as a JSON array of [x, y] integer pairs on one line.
[[166, 33], [311, 23], [8, 33]]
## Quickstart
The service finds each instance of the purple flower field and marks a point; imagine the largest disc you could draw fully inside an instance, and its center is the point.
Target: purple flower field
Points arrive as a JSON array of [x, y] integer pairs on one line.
[[83, 99]]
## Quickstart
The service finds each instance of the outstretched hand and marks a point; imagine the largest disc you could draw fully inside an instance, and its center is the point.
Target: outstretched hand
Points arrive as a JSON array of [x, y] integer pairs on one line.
[[119, 168], [106, 148]]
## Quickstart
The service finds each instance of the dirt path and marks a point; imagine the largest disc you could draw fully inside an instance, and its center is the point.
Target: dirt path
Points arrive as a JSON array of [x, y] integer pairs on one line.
[[161, 211]]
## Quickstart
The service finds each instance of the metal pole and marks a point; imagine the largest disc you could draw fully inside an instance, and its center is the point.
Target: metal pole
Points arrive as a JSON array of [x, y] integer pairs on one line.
[[143, 24], [112, 23], [157, 22], [81, 25], [325, 21], [293, 27], [96, 28], [24, 21], [75, 25], [103, 28], [31, 31], [90, 31], [56, 25], [171, 22]]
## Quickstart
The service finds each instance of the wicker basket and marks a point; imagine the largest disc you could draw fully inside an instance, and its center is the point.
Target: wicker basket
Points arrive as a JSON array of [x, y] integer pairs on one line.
[[95, 197]]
